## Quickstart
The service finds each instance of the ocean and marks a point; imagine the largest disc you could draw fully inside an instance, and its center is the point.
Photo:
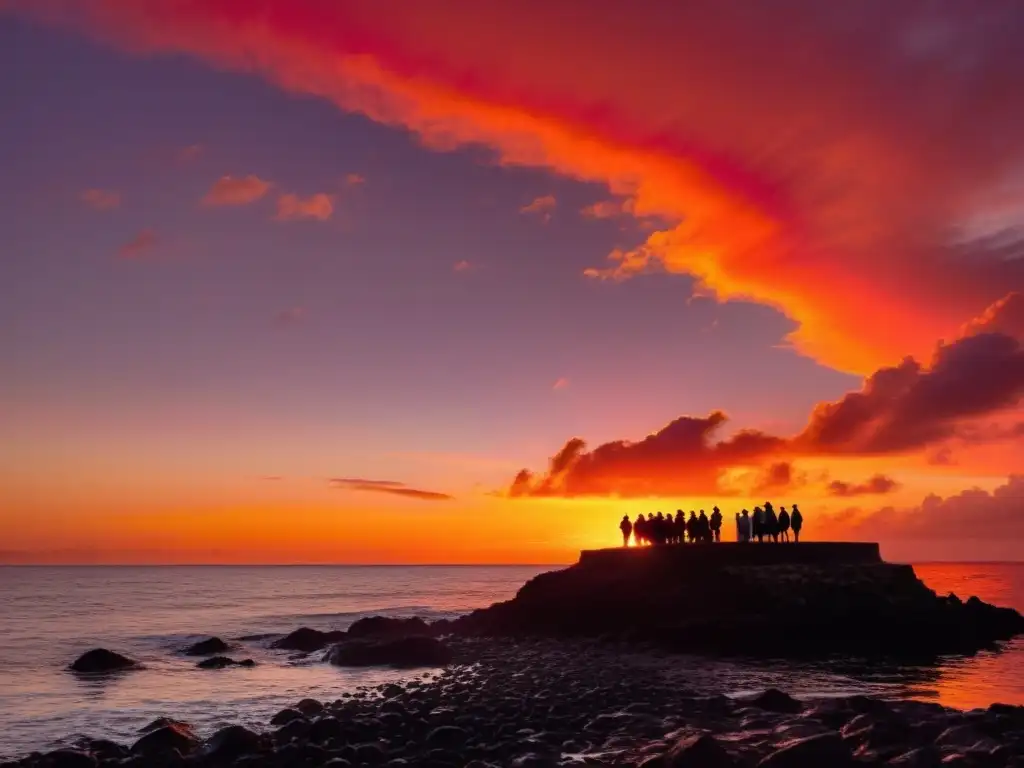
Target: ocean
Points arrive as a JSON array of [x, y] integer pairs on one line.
[[50, 615]]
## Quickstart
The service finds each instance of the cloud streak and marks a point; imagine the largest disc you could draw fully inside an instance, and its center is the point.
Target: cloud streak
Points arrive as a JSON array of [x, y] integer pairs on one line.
[[875, 485], [140, 245], [391, 487], [102, 199], [291, 207]]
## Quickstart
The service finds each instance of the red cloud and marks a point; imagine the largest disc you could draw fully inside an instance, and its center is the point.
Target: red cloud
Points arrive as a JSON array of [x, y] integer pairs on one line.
[[294, 208], [783, 143], [899, 409], [875, 485], [542, 206], [102, 199], [1003, 316], [138, 246], [228, 190]]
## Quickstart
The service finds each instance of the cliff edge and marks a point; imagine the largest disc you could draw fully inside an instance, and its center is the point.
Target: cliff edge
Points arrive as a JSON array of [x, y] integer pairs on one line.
[[800, 600]]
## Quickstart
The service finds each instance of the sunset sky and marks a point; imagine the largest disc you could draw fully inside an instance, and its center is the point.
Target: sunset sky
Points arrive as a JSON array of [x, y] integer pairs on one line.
[[454, 281]]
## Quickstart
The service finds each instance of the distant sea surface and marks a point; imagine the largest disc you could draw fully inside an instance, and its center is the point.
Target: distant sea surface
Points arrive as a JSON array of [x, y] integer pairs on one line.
[[50, 615]]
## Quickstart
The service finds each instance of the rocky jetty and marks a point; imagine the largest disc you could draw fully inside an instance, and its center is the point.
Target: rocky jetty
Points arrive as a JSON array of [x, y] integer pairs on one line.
[[541, 703], [779, 600]]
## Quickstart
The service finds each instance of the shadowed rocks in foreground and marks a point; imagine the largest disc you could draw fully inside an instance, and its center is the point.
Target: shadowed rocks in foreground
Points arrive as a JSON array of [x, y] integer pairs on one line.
[[786, 601]]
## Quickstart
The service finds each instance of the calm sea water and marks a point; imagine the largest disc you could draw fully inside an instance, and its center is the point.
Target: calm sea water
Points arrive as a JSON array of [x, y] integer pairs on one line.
[[48, 616]]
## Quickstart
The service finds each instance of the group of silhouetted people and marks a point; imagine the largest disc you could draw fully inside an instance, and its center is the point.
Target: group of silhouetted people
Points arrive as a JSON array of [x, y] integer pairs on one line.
[[760, 525], [666, 529]]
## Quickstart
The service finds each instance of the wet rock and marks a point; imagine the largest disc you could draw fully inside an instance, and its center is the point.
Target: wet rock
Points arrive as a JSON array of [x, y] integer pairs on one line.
[[774, 700], [384, 626], [162, 722], [230, 743], [828, 749], [447, 736], [286, 716], [206, 647], [325, 728], [703, 751], [100, 660], [965, 737], [310, 707], [163, 740], [922, 757], [401, 652], [220, 662], [307, 640], [71, 758]]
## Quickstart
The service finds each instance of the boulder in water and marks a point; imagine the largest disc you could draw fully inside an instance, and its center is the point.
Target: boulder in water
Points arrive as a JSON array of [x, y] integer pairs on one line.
[[385, 626], [703, 750], [825, 749], [774, 700], [400, 652], [220, 662], [100, 660], [161, 741], [307, 640], [70, 758], [206, 647]]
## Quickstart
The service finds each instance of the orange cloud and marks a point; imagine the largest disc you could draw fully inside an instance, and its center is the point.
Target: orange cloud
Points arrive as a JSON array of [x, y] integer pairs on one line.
[[102, 199], [138, 246], [228, 190], [1003, 316], [354, 179], [781, 146], [391, 487], [541, 206], [607, 209], [291, 207]]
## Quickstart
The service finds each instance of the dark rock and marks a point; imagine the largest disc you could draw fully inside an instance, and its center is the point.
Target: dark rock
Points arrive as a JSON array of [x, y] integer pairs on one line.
[[231, 742], [371, 754], [286, 716], [325, 728], [447, 736], [220, 662], [828, 749], [310, 707], [307, 640], [296, 729], [164, 740], [401, 652], [100, 660], [71, 758], [824, 599], [774, 700], [105, 749], [162, 722], [923, 757], [384, 626], [702, 751], [206, 647]]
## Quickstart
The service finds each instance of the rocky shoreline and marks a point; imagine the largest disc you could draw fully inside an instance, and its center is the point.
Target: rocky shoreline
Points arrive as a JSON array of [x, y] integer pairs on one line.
[[535, 703]]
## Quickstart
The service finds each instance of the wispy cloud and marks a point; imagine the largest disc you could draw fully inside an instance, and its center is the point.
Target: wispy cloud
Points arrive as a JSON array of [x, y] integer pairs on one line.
[[102, 199], [875, 485], [190, 153], [541, 206], [560, 383], [462, 266], [229, 190], [291, 207], [138, 246], [355, 179], [392, 487], [606, 209]]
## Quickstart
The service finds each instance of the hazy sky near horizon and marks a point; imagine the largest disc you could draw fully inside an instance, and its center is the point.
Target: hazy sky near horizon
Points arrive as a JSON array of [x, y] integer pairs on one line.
[[314, 280]]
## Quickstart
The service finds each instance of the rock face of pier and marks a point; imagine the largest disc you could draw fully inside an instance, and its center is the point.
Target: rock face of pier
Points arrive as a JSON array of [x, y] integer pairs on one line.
[[786, 600]]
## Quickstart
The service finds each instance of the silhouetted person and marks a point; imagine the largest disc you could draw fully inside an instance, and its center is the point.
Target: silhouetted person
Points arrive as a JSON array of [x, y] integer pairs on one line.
[[783, 524], [797, 521], [691, 527], [760, 524], [679, 527], [640, 530], [627, 530], [716, 524], [771, 522], [703, 527], [658, 534], [743, 526]]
